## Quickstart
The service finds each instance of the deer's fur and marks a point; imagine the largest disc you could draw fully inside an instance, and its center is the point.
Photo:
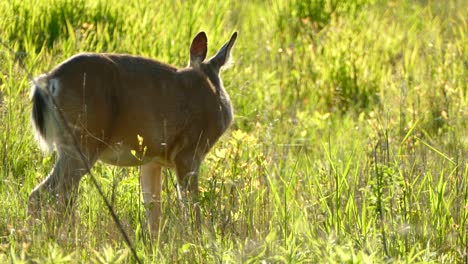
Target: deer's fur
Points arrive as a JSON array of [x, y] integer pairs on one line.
[[116, 103]]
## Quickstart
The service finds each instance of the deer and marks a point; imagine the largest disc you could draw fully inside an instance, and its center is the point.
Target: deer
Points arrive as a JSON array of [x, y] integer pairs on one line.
[[127, 110]]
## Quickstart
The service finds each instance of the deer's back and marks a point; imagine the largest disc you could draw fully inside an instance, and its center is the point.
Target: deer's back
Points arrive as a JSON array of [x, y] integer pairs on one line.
[[114, 98]]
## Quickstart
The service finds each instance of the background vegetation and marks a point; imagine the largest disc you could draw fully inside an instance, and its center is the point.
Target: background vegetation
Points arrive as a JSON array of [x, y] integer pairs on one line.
[[349, 144]]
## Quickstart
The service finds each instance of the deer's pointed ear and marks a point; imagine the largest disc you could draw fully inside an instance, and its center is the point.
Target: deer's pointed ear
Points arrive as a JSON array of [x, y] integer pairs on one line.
[[222, 57], [198, 49]]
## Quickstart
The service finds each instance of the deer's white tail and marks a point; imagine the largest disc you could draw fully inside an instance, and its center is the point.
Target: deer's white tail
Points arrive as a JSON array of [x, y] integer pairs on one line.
[[43, 114]]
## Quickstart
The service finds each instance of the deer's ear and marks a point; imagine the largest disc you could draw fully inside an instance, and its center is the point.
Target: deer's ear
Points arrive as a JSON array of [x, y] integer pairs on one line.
[[224, 53], [198, 49]]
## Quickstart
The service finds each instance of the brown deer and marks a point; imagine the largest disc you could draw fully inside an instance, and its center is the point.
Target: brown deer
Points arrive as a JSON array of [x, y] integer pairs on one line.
[[116, 104]]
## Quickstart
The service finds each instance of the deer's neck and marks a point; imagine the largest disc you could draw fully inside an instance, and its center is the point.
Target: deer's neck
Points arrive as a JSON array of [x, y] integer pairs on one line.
[[226, 107]]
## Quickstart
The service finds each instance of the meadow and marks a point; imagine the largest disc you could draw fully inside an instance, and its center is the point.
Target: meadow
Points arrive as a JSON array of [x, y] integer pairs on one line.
[[349, 143]]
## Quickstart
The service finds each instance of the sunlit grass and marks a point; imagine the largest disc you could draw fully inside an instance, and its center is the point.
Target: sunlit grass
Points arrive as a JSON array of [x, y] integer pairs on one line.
[[349, 142]]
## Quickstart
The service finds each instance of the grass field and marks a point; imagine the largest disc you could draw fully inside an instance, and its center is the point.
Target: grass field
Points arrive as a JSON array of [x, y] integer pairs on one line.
[[349, 145]]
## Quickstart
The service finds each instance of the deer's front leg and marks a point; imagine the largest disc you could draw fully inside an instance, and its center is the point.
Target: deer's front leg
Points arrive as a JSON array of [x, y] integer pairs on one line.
[[150, 181], [187, 169]]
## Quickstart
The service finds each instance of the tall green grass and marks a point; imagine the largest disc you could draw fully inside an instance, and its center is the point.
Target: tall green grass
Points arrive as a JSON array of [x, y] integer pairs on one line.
[[349, 142]]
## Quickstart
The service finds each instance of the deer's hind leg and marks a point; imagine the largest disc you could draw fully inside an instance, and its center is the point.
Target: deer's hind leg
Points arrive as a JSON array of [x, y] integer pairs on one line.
[[61, 185]]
